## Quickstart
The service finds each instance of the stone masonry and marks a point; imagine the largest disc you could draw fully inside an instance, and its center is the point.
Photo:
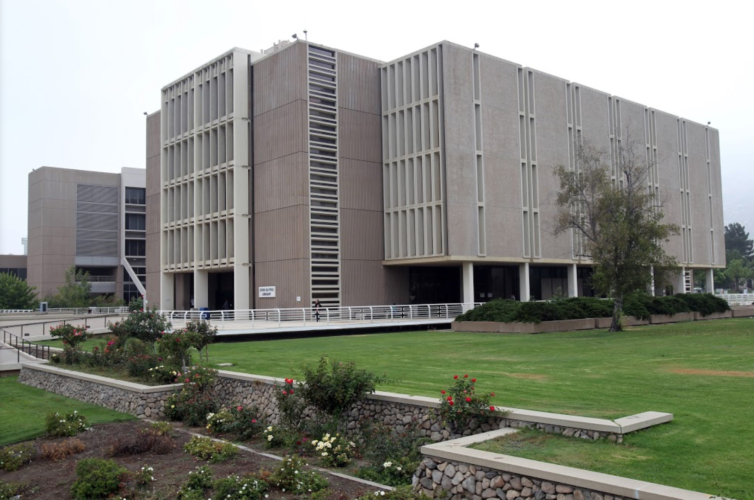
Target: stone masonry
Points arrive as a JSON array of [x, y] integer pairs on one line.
[[439, 478]]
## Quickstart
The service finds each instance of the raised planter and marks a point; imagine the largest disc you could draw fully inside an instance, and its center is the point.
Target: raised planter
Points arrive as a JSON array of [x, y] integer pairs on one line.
[[601, 323], [661, 319], [723, 315], [543, 327], [743, 312]]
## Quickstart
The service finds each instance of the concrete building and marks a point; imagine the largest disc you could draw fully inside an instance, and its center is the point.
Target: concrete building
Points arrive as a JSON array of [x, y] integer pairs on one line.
[[307, 173], [91, 220], [13, 264]]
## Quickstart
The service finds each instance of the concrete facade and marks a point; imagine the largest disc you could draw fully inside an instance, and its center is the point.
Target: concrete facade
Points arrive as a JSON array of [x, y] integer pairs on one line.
[[79, 218], [13, 264], [352, 181]]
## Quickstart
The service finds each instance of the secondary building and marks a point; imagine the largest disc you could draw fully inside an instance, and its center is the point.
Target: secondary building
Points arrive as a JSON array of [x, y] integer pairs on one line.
[[307, 173], [95, 221]]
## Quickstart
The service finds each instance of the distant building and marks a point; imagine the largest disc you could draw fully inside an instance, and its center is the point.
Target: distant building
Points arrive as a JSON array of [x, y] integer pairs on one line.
[[90, 220], [308, 173], [13, 264]]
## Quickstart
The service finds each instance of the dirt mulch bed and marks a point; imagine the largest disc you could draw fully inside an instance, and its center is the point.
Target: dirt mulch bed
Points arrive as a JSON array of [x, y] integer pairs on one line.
[[51, 480]]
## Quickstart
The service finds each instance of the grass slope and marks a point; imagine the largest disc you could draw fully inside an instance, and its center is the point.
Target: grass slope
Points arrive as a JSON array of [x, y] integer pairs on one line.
[[23, 410]]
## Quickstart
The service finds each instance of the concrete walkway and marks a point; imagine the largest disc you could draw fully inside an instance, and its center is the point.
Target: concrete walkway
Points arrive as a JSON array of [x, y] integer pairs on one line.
[[11, 359]]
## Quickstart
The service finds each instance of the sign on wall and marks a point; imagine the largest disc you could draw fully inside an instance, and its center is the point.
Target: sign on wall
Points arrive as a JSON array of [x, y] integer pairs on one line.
[[266, 292]]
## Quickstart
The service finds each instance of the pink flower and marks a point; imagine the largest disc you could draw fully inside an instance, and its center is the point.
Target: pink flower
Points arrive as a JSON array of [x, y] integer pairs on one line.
[[239, 408]]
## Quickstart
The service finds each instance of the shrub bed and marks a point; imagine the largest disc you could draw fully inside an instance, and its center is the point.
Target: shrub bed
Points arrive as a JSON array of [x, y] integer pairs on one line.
[[639, 305]]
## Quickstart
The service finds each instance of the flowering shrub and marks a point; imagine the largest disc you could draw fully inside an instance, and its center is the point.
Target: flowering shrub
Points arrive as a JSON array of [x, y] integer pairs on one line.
[[460, 404], [13, 457], [234, 487], [221, 421], [399, 493], [67, 425], [145, 475], [163, 374], [273, 438], [205, 332], [97, 478], [160, 428], [176, 346], [140, 365], [291, 477], [333, 450], [291, 405], [205, 448], [244, 422], [333, 387], [194, 402], [71, 335], [147, 326], [198, 482], [136, 304]]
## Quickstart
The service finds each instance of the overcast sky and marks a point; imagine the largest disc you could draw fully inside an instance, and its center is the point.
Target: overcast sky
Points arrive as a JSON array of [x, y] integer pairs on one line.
[[76, 76]]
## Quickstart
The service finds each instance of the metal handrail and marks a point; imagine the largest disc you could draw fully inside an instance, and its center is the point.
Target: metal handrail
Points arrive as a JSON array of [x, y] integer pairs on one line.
[[65, 321], [10, 336], [326, 315]]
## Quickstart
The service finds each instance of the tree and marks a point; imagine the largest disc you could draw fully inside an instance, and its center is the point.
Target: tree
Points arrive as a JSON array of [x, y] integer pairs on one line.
[[617, 221], [736, 238], [737, 273], [15, 293], [74, 293]]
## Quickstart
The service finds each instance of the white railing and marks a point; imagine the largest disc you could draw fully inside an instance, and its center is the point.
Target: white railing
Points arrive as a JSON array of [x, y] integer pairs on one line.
[[737, 299], [307, 316], [17, 311], [88, 310]]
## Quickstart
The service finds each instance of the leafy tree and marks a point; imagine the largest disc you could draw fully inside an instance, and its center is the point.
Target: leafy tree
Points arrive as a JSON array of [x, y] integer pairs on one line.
[[15, 293], [107, 300], [74, 292], [737, 273], [736, 238], [617, 222]]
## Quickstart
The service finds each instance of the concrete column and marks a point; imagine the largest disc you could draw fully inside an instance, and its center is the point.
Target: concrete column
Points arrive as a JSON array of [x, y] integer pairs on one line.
[[573, 281], [201, 288], [167, 291], [652, 283], [680, 282], [467, 281], [523, 282], [710, 281], [241, 287]]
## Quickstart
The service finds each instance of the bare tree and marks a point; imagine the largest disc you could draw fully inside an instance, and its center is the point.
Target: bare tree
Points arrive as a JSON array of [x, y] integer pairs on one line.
[[617, 220]]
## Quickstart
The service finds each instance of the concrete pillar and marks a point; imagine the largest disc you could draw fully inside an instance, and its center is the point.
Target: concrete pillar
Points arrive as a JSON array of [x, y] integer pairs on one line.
[[523, 282], [573, 281], [241, 287], [680, 282], [201, 288], [167, 291], [709, 286], [652, 283], [467, 282]]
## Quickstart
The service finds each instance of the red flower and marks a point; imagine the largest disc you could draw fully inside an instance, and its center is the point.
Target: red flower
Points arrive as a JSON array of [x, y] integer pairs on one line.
[[290, 392], [455, 377], [465, 376], [450, 403], [187, 381], [473, 380], [492, 394], [442, 392], [450, 398], [492, 408], [285, 393], [253, 420], [468, 400]]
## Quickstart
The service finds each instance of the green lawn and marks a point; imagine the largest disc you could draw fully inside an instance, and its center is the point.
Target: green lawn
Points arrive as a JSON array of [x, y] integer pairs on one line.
[[702, 372], [23, 410], [708, 447]]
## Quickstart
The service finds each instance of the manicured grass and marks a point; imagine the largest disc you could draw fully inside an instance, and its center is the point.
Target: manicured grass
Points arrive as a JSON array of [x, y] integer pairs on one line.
[[701, 372], [23, 410]]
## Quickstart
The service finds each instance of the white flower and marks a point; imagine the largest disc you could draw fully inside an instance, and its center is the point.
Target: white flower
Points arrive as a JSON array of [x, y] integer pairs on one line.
[[269, 438], [387, 464]]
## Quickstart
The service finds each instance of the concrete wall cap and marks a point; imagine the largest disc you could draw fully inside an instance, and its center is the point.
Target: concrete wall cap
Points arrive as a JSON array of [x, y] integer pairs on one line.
[[120, 384]]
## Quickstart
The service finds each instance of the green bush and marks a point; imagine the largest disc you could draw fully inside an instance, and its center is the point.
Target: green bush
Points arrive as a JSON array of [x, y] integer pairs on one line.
[[10, 491], [13, 457], [333, 387], [198, 482], [245, 423], [334, 450], [248, 487], [392, 456], [460, 404], [205, 448], [291, 405], [503, 311], [147, 326], [67, 425], [704, 303], [96, 479], [194, 402], [292, 478], [399, 493]]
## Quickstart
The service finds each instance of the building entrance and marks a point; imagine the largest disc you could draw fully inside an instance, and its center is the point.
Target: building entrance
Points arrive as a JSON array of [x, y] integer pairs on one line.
[[220, 291], [495, 282], [435, 285]]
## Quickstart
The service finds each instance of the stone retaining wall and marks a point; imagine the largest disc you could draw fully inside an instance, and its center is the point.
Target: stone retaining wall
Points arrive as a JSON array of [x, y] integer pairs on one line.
[[436, 476], [140, 404]]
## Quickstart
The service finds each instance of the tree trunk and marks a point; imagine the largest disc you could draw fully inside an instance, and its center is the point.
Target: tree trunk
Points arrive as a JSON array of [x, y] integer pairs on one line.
[[615, 326]]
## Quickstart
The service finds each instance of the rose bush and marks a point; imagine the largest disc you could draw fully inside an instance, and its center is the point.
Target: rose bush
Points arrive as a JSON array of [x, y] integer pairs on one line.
[[460, 404]]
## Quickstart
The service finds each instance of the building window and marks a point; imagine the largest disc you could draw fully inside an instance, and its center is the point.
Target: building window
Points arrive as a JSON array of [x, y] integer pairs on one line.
[[136, 222], [136, 248], [136, 196], [19, 272]]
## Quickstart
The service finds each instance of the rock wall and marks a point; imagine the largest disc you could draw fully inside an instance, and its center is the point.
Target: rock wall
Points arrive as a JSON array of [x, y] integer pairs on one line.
[[139, 404], [439, 478]]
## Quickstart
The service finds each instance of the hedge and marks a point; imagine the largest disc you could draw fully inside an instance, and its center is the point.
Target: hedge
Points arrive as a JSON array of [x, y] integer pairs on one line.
[[640, 305]]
